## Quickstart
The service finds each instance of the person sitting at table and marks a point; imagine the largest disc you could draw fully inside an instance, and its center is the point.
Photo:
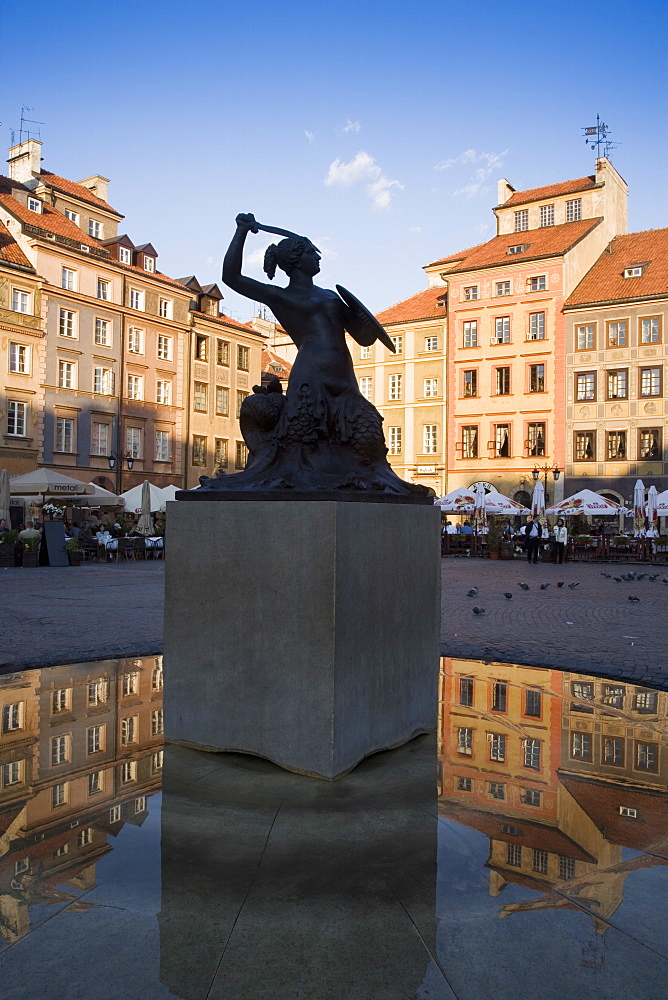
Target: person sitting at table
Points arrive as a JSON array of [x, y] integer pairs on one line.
[[466, 528], [3, 526], [30, 533], [103, 536]]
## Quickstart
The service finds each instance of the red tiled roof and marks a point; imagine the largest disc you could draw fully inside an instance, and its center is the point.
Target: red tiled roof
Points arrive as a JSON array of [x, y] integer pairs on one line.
[[424, 305], [549, 241], [77, 191], [10, 251], [453, 257], [269, 359], [550, 191], [225, 320], [605, 282], [49, 219]]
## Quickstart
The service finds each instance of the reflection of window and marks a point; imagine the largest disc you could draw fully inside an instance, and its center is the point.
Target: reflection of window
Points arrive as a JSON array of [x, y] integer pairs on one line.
[[394, 434], [581, 746], [466, 691], [129, 730], [470, 333], [130, 683], [515, 855], [502, 440], [613, 750], [98, 692], [157, 760], [613, 695], [499, 696], [503, 381], [649, 443], [128, 771], [617, 333], [157, 723], [471, 382], [536, 439], [12, 717], [60, 794], [646, 756], [532, 754], [537, 378], [95, 782], [645, 701], [199, 450], [497, 747], [464, 784], [615, 445], [585, 386], [618, 383], [585, 337], [60, 749], [540, 861], [497, 789], [531, 797], [582, 690], [585, 446], [566, 868], [61, 700], [469, 442], [650, 381], [465, 741], [532, 703]]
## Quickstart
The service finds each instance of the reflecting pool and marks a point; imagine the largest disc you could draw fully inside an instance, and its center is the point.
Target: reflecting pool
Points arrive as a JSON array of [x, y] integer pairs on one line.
[[522, 850]]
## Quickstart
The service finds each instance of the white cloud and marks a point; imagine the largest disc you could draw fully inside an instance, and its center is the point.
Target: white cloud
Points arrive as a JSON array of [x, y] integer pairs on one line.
[[309, 135], [487, 164], [363, 168], [349, 126], [415, 229]]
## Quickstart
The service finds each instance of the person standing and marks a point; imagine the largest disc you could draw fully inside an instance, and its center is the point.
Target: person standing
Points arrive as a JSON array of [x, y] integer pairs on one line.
[[560, 539], [533, 532]]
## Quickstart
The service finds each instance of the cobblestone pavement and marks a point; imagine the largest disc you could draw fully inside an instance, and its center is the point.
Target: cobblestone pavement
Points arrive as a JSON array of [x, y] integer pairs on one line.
[[97, 611]]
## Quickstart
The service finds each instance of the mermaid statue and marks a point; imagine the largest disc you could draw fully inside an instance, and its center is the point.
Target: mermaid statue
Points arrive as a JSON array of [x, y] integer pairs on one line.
[[321, 439]]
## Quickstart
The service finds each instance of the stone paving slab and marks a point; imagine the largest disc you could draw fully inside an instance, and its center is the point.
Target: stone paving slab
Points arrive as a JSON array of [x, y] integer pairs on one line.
[[96, 611]]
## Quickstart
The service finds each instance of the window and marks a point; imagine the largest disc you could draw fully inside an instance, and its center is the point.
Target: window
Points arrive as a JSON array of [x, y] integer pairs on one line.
[[85, 837], [650, 381], [133, 441], [522, 220], [64, 435], [16, 418], [20, 301], [125, 255], [395, 386], [581, 746], [140, 804], [537, 378], [615, 447], [19, 359], [465, 741], [95, 229], [646, 756], [613, 695], [149, 264], [103, 381], [60, 794], [12, 773], [585, 337], [531, 797], [503, 288], [464, 784], [613, 751], [241, 456], [538, 283], [115, 814], [157, 723], [12, 717], [220, 453], [497, 747], [162, 446], [518, 248], [585, 386], [157, 760], [103, 289], [470, 293], [497, 789], [532, 754], [501, 330], [617, 383], [102, 332], [645, 702], [68, 279], [629, 812], [471, 382], [537, 326], [95, 739], [430, 387], [201, 348], [200, 397], [223, 352], [199, 450], [616, 333], [540, 861], [129, 730], [466, 691], [60, 749], [166, 308], [222, 401], [431, 343], [470, 333], [429, 439], [136, 299], [135, 340], [243, 357], [98, 692], [585, 446], [502, 381], [72, 216], [366, 387], [532, 703], [469, 442], [100, 438], [499, 696], [398, 344], [536, 439], [241, 395], [61, 700], [164, 347], [566, 868], [163, 392], [130, 683], [365, 354], [650, 330], [67, 323], [515, 855], [633, 272], [128, 771], [394, 436], [547, 215], [502, 440], [582, 690], [574, 210], [135, 386]]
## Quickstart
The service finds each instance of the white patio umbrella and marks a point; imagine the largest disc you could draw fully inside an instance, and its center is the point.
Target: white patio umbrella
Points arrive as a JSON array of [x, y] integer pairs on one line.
[[459, 501], [169, 492], [585, 502], [145, 525], [662, 504], [48, 483], [480, 512], [133, 499], [100, 498], [497, 503], [4, 497], [538, 502], [652, 516], [638, 507]]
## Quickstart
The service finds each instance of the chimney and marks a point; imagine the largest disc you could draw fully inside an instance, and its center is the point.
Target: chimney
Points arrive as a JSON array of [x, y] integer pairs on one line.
[[25, 161], [504, 189], [98, 184]]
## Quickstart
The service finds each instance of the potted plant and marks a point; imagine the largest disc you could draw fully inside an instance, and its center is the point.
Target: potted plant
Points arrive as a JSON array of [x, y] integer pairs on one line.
[[31, 553], [74, 551], [494, 538], [8, 555]]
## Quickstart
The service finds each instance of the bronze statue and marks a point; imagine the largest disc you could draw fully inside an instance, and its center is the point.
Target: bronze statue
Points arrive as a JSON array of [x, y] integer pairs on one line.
[[322, 436]]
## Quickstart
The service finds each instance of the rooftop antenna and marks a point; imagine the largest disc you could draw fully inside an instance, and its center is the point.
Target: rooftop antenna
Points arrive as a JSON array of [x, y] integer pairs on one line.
[[597, 137], [24, 127]]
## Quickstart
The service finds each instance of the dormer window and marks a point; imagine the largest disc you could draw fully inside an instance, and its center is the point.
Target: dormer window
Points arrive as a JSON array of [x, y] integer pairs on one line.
[[35, 205], [72, 216], [547, 215], [95, 229], [149, 264], [518, 248], [633, 272], [124, 255]]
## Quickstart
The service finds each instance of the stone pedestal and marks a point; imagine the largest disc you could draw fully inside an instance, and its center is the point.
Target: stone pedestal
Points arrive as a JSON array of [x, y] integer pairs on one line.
[[304, 632]]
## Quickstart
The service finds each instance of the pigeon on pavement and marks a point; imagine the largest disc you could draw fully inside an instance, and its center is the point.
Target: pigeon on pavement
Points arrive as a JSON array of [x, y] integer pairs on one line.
[[562, 582], [572, 586], [477, 610], [472, 592], [653, 578], [633, 597], [524, 586], [544, 586], [608, 576], [507, 596], [617, 579]]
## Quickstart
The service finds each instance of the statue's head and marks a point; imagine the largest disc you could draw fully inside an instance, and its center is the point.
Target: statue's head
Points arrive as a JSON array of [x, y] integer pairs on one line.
[[291, 253]]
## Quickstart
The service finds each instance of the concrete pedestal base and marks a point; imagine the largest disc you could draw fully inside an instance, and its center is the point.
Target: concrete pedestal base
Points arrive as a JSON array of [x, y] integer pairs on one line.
[[306, 633]]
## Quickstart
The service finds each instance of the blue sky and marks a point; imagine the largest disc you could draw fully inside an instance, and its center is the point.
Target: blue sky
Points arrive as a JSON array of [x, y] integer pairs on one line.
[[378, 129]]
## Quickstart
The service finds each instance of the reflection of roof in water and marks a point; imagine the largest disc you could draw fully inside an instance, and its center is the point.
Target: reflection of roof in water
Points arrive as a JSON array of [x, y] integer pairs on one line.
[[601, 801]]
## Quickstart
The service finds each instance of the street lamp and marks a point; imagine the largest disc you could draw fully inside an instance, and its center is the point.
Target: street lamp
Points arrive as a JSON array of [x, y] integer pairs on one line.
[[116, 459], [545, 469]]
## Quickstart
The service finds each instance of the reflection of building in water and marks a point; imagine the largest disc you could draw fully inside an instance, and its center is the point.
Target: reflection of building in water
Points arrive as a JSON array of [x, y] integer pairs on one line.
[[507, 736], [80, 752]]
